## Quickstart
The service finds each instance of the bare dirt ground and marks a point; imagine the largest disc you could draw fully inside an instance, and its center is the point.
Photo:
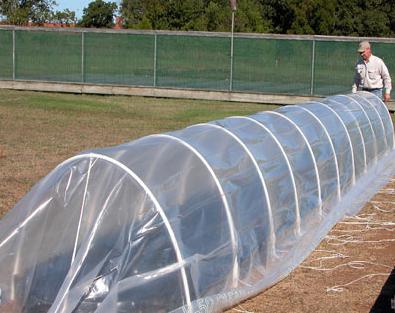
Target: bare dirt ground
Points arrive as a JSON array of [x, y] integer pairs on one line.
[[347, 272]]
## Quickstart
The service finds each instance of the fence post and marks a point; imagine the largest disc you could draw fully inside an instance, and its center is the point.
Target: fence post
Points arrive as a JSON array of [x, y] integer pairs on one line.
[[13, 55], [155, 56], [231, 53], [312, 68], [82, 57]]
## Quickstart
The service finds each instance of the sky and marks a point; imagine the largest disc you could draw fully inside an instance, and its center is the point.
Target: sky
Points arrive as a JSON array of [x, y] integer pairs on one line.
[[75, 5]]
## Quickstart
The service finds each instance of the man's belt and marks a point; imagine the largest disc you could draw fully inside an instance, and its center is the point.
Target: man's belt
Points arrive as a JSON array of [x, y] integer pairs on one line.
[[371, 89]]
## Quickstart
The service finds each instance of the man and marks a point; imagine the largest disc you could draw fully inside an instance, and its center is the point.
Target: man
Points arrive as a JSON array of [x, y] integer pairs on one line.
[[371, 74]]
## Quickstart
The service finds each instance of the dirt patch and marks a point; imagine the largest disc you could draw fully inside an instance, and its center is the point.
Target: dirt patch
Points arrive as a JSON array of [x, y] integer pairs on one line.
[[10, 308]]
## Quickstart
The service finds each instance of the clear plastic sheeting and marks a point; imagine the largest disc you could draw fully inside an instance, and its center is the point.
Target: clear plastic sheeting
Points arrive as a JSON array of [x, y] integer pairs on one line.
[[194, 220]]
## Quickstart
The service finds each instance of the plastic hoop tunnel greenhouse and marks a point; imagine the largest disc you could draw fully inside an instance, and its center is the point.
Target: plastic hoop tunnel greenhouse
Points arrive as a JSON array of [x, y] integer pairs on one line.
[[198, 219]]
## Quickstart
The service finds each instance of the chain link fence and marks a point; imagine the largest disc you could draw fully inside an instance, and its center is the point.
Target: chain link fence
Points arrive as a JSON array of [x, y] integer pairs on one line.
[[272, 64]]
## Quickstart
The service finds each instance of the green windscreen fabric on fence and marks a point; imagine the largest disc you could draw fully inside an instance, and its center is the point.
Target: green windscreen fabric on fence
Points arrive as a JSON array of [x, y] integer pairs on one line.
[[50, 56], [334, 67], [5, 54], [386, 51], [293, 65], [122, 59], [272, 65], [193, 62]]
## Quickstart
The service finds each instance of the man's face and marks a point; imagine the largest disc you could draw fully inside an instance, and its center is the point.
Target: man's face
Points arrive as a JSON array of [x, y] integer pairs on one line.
[[366, 54]]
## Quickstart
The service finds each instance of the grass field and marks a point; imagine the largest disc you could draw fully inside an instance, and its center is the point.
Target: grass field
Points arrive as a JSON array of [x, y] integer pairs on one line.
[[39, 130]]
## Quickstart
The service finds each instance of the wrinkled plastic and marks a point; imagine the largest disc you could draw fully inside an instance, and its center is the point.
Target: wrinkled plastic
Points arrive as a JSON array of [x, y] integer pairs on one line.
[[197, 219]]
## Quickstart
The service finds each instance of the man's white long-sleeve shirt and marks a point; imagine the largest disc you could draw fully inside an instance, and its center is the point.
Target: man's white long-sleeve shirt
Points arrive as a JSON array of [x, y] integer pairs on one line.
[[372, 74]]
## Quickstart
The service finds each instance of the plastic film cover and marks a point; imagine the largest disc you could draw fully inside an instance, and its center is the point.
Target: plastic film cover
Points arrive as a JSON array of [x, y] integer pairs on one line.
[[197, 219]]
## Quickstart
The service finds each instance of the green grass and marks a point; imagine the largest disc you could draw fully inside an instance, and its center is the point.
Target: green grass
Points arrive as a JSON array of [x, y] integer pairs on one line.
[[39, 130], [180, 110]]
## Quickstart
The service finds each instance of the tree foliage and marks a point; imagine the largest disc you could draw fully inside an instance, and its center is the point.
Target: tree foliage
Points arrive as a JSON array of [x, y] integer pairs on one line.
[[205, 15], [99, 14], [324, 17], [20, 12], [321, 17], [65, 17]]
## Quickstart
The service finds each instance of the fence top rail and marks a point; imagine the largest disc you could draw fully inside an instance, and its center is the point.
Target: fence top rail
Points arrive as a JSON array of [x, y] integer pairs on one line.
[[197, 34]]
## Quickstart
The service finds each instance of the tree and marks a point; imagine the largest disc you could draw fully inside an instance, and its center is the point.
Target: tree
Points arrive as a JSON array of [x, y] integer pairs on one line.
[[347, 18], [133, 13], [278, 14], [325, 17], [20, 12], [184, 14], [217, 19], [313, 17], [157, 14], [375, 21], [99, 14], [249, 17], [65, 17], [203, 15]]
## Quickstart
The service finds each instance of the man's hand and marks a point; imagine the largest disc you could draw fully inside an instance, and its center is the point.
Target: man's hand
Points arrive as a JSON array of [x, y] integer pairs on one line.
[[387, 97]]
